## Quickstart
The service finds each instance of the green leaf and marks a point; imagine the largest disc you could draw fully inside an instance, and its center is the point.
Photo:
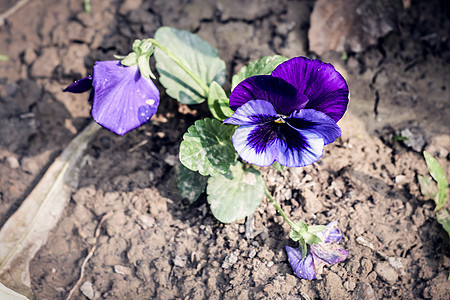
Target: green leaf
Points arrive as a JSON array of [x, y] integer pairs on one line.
[[236, 194], [137, 46], [262, 66], [302, 225], [311, 238], [218, 102], [316, 228], [444, 219], [190, 184], [438, 174], [130, 60], [427, 186], [195, 53], [307, 233], [278, 167], [144, 67], [4, 57], [207, 147], [295, 236]]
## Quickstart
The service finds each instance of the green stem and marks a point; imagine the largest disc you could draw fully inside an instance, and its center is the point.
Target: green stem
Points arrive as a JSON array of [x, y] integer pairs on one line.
[[178, 61], [280, 210]]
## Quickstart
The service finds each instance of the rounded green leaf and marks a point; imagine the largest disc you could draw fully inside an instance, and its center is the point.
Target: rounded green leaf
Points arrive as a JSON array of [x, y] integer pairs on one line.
[[438, 174], [197, 55], [236, 194], [218, 102], [190, 184], [262, 66], [207, 147]]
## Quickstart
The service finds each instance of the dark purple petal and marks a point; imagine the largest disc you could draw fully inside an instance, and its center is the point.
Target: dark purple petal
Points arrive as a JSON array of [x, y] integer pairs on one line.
[[284, 97], [303, 268], [325, 88], [80, 86], [256, 144], [123, 99], [315, 122], [252, 113], [262, 144], [297, 149]]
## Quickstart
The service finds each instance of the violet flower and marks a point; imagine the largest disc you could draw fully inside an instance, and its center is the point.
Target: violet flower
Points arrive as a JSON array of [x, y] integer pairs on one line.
[[325, 253], [122, 99], [290, 115]]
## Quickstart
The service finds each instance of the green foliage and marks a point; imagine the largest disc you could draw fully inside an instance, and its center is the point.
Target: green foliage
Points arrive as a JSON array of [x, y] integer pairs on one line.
[[87, 6], [142, 50], [218, 102], [399, 138], [316, 228], [427, 186], [444, 219], [235, 194], [197, 55], [278, 167], [438, 175], [4, 57], [262, 66], [307, 233], [207, 147], [190, 184], [440, 198]]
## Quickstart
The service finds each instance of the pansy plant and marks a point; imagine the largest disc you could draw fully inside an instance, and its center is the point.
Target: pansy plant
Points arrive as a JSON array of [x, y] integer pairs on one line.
[[281, 113]]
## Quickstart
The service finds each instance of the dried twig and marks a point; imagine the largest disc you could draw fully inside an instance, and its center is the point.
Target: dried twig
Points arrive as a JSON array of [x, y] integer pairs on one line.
[[12, 10], [88, 256]]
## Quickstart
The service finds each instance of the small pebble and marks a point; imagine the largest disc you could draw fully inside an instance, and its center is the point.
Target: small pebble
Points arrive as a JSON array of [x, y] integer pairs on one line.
[[122, 270], [87, 290], [171, 160], [364, 291], [386, 272], [145, 221], [230, 260], [252, 253], [400, 179], [12, 162], [270, 264], [179, 261]]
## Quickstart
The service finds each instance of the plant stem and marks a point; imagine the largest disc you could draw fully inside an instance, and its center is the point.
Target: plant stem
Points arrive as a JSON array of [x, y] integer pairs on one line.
[[280, 210], [178, 61]]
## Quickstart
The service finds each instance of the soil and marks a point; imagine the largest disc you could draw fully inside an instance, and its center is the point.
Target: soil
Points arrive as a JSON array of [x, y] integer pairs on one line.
[[153, 245]]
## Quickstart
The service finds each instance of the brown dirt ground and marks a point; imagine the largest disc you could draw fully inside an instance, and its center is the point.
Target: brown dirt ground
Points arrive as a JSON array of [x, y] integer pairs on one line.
[[152, 246]]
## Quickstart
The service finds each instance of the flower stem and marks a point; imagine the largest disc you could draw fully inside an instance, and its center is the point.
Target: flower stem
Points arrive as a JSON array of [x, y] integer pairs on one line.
[[178, 61], [294, 226]]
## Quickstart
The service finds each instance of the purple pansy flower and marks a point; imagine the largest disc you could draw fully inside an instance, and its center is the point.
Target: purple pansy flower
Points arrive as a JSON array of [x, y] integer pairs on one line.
[[290, 115], [122, 99], [328, 252]]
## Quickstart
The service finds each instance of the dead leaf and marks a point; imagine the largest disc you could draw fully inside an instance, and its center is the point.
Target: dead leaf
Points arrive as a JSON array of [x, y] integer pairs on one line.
[[28, 228]]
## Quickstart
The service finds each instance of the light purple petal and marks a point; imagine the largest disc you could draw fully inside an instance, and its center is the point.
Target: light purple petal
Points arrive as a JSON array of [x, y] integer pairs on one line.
[[80, 86], [302, 268], [316, 122], [331, 234], [262, 144], [325, 88], [334, 236], [252, 113], [284, 97], [123, 99], [330, 253]]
